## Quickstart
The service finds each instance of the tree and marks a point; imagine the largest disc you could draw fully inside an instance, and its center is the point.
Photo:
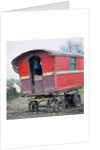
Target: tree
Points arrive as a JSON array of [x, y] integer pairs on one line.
[[73, 47]]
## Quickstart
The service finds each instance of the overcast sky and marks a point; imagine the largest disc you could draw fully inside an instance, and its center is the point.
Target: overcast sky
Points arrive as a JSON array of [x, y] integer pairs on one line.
[[15, 48]]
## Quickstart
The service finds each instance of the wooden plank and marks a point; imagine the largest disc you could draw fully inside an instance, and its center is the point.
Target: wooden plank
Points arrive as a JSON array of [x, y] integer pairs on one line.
[[62, 63], [65, 81]]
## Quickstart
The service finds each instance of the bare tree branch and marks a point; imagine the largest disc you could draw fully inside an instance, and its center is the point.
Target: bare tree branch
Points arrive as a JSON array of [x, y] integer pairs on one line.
[[73, 47]]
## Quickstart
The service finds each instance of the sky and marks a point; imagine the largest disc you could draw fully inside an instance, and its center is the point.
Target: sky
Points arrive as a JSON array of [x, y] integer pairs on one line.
[[15, 48]]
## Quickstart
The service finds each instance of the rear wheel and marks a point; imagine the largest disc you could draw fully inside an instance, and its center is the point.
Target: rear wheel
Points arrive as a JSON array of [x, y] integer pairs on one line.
[[76, 99]]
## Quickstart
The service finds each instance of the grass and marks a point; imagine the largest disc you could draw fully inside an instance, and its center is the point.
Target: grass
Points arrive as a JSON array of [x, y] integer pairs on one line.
[[81, 91]]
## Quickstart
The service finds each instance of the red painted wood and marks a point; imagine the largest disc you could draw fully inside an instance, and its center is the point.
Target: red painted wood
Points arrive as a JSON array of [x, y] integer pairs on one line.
[[43, 54], [80, 63], [63, 81], [48, 64], [68, 81], [24, 58], [23, 68], [62, 63], [39, 53]]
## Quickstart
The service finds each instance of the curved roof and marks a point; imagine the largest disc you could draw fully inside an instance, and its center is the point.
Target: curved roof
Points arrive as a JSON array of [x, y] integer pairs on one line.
[[52, 52]]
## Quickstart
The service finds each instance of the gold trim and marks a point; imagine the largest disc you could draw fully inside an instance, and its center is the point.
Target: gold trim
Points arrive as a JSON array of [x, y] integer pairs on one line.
[[69, 71], [48, 73], [24, 77]]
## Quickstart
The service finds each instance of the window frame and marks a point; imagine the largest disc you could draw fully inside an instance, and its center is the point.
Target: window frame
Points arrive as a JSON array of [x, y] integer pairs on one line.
[[71, 63]]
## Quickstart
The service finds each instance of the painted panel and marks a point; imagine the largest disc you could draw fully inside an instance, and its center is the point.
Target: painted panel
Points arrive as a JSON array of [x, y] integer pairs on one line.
[[24, 58], [48, 64], [43, 54], [49, 83], [23, 65], [26, 86], [80, 63], [62, 63], [25, 77], [39, 86], [23, 68], [68, 81]]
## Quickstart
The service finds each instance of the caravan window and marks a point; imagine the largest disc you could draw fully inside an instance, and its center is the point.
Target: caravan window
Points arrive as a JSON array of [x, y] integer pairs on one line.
[[72, 63]]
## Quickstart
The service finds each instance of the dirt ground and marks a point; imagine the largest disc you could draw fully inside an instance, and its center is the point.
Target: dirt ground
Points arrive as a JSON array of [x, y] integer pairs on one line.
[[18, 109]]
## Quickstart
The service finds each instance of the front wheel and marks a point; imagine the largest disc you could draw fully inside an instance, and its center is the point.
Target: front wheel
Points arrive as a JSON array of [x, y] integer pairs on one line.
[[33, 106]]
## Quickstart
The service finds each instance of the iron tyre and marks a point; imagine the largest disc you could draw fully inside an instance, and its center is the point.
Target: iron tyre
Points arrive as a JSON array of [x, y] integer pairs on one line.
[[33, 106]]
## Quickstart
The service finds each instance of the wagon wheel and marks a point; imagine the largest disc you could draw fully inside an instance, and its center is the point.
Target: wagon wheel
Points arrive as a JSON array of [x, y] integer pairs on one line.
[[76, 99], [53, 107], [34, 106], [57, 106], [62, 106]]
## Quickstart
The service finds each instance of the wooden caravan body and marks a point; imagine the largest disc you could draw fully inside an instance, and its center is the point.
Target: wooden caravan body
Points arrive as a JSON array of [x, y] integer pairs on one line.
[[47, 71]]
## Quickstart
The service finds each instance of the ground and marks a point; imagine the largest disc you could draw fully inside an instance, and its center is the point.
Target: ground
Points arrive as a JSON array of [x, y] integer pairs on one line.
[[18, 109]]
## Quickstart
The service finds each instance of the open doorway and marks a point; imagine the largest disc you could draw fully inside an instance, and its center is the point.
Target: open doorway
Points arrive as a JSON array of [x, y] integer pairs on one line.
[[36, 73]]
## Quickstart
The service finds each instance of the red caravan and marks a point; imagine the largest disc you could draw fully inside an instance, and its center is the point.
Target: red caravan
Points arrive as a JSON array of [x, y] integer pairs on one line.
[[47, 71]]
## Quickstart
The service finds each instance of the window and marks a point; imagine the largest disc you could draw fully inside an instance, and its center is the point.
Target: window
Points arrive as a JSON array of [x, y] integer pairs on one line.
[[72, 63]]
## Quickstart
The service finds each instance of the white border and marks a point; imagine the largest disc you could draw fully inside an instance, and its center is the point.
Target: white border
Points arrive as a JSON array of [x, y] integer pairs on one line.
[[12, 25]]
